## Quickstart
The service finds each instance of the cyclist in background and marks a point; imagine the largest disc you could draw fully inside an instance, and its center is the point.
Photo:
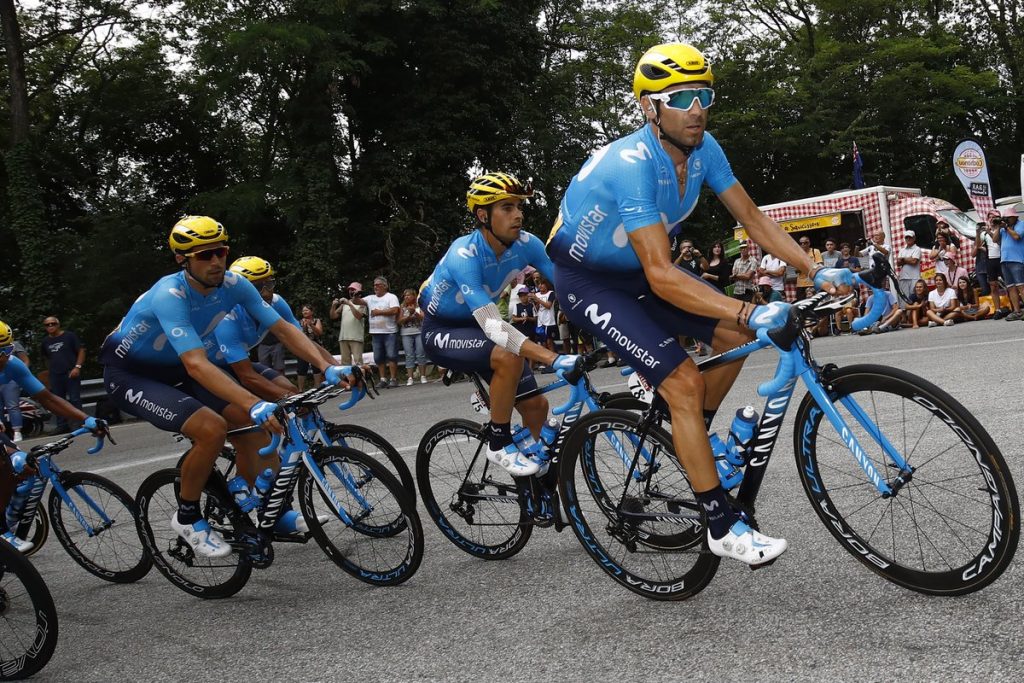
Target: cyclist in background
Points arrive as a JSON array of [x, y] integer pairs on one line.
[[462, 327], [12, 369], [614, 275], [156, 366]]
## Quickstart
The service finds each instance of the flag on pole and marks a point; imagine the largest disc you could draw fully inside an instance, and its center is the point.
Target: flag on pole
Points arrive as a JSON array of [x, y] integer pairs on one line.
[[858, 168], [970, 167]]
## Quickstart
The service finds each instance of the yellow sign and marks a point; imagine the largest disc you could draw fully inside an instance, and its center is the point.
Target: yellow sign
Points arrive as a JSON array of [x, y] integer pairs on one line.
[[829, 220]]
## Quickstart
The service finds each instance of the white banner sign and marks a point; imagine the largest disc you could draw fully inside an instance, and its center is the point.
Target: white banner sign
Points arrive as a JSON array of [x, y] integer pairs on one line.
[[971, 168]]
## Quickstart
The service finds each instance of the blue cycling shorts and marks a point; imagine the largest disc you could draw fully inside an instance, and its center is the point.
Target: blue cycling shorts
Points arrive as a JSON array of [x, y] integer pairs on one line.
[[165, 397], [463, 346], [621, 310]]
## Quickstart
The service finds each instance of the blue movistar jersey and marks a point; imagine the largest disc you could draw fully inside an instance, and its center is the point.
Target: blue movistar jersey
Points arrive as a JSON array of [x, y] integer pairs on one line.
[[238, 332], [172, 318], [469, 276], [627, 185], [16, 371]]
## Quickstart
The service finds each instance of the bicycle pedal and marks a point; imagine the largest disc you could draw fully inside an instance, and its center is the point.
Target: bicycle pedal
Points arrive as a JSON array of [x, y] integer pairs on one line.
[[292, 538], [755, 567]]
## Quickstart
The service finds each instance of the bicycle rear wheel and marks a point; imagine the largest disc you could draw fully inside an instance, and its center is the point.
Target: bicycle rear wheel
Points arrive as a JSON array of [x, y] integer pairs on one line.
[[374, 445], [28, 618], [954, 527], [382, 542], [641, 524], [473, 502], [114, 552], [157, 502]]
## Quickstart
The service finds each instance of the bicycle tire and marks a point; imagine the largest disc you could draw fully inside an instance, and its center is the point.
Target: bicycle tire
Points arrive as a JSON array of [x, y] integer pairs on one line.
[[120, 536], [981, 521], [623, 400], [28, 617], [356, 437], [388, 506], [157, 502], [36, 530], [657, 548], [452, 469]]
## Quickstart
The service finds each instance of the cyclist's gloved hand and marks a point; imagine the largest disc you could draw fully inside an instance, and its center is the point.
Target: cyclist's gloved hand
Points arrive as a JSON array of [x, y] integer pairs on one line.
[[18, 460], [338, 374], [769, 316], [94, 425], [840, 279], [571, 366], [262, 411]]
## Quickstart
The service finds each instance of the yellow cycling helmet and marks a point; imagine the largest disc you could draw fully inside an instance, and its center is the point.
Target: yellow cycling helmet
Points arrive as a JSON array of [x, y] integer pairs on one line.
[[6, 334], [670, 64], [195, 231], [252, 268], [493, 187]]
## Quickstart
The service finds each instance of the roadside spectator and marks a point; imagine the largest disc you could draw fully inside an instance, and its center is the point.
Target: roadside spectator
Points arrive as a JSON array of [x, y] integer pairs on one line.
[[941, 248], [830, 255], [351, 336], [313, 328], [891, 316], [909, 263], [383, 307], [876, 244], [981, 257], [943, 230], [521, 313], [270, 352], [64, 354], [744, 273], [410, 320], [917, 305], [771, 273], [968, 300], [11, 392], [942, 303], [690, 258], [547, 320], [994, 265], [802, 281], [1011, 248], [717, 271], [947, 266], [847, 259]]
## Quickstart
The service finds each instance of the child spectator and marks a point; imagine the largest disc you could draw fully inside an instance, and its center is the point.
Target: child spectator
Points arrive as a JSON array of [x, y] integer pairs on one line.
[[918, 305]]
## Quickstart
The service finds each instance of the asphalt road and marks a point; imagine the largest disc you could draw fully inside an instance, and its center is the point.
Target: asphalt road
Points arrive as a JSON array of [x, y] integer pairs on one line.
[[550, 613]]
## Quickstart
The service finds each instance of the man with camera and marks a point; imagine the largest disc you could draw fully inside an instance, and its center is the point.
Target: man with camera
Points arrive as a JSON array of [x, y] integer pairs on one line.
[[690, 258], [877, 244], [1011, 248], [351, 336]]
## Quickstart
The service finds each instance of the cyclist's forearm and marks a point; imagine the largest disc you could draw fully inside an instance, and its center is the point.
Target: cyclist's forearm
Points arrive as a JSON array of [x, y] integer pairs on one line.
[[691, 296], [219, 384], [55, 404], [260, 385]]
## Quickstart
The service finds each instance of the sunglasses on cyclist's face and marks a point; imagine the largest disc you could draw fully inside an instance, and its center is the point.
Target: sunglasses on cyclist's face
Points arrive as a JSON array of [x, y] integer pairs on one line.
[[209, 254], [6, 350], [684, 99], [269, 283]]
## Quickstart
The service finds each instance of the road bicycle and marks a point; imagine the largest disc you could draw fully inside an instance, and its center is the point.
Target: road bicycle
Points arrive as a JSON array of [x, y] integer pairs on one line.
[[28, 618], [93, 517], [907, 481], [372, 530], [478, 505]]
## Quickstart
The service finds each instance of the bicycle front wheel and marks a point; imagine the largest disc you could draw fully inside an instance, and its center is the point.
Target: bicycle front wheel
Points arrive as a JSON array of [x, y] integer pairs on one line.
[[954, 526], [381, 541], [210, 578], [374, 445], [472, 501], [28, 618], [110, 548], [36, 530], [632, 508]]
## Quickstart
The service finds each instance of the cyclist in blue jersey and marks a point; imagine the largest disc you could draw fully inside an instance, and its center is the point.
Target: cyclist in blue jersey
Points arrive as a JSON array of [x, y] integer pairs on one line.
[[156, 366], [12, 369], [614, 275], [462, 328]]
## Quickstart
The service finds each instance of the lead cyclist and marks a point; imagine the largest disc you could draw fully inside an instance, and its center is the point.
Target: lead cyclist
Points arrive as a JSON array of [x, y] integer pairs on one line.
[[462, 328], [614, 275]]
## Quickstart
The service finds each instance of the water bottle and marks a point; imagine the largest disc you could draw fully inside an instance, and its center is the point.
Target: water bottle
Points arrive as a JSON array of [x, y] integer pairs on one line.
[[240, 490], [728, 474], [264, 482], [741, 433], [549, 432], [18, 499]]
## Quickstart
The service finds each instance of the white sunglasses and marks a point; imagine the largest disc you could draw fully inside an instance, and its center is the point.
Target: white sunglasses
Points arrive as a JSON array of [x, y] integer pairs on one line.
[[684, 99]]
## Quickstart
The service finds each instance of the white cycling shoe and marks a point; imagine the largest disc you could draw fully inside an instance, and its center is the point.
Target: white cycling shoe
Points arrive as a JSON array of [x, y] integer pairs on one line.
[[21, 545], [514, 462], [201, 538], [746, 545], [292, 522]]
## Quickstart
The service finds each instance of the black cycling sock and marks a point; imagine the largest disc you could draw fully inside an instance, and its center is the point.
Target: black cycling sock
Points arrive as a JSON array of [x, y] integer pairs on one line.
[[498, 435], [720, 513], [188, 511], [709, 417]]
